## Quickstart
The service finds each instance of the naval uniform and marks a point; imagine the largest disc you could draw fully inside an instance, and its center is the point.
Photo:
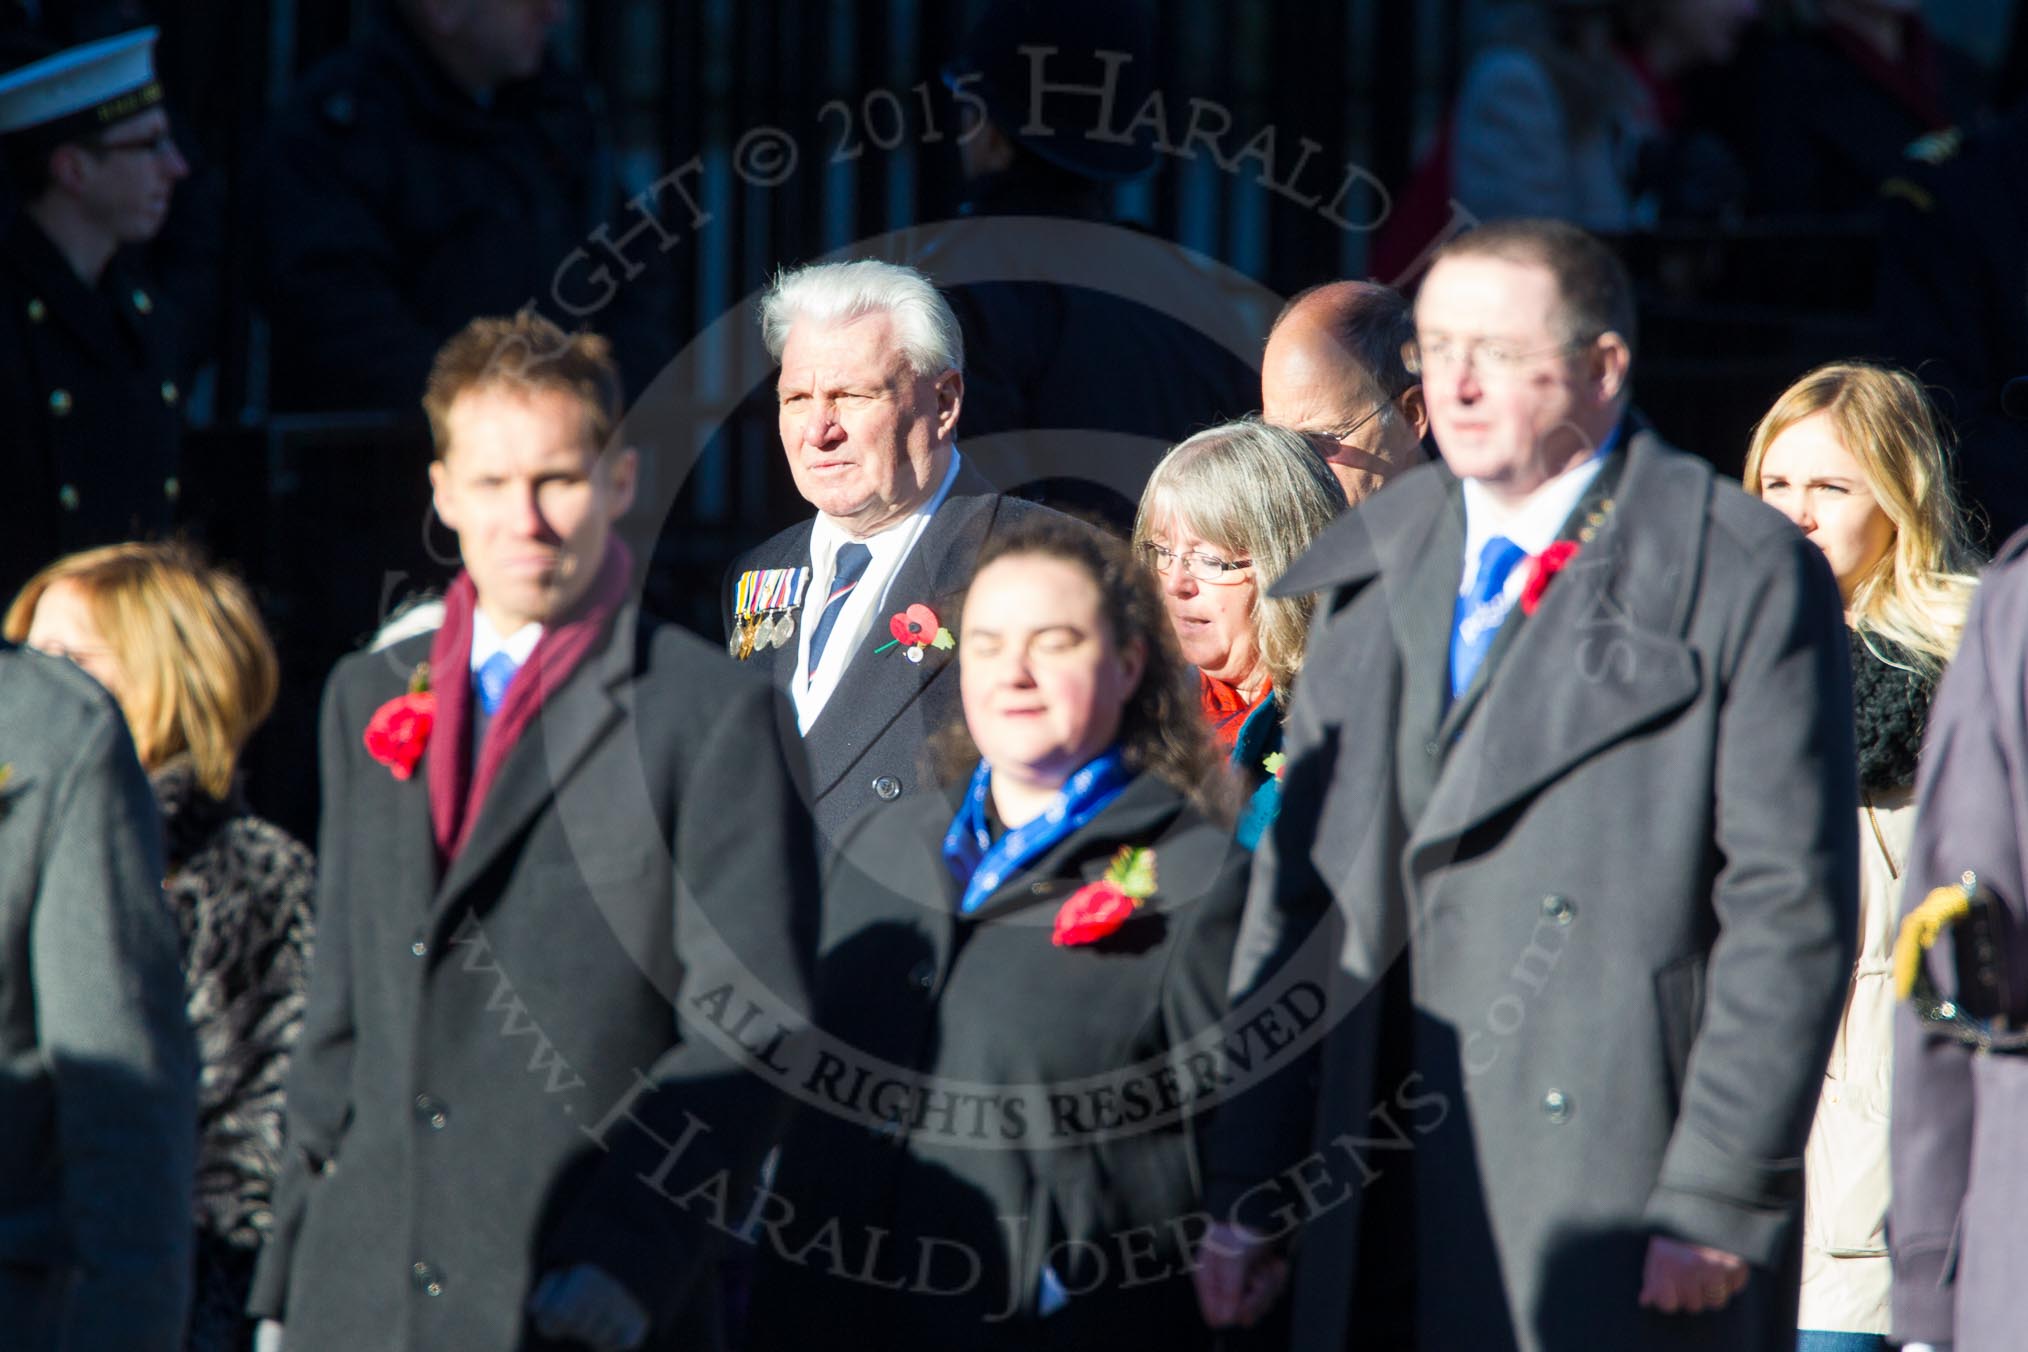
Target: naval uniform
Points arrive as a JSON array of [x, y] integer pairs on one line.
[[91, 410]]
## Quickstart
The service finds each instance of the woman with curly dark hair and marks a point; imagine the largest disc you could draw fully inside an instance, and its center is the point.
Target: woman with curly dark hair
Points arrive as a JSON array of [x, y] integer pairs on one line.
[[1013, 982]]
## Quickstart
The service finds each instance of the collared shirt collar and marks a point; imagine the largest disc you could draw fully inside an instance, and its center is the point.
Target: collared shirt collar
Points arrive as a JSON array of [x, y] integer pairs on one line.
[[1534, 523], [890, 549], [486, 640]]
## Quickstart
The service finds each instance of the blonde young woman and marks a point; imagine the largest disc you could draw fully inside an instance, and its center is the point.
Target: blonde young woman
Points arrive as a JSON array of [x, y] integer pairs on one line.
[[1852, 453], [181, 648]]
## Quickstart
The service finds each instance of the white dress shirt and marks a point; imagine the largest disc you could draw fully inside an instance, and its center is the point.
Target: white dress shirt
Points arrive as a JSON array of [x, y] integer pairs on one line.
[[486, 640], [866, 602]]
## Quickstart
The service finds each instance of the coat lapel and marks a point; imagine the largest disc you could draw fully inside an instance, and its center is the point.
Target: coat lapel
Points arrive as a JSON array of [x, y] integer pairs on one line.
[[1422, 608], [877, 686], [1601, 658], [542, 761]]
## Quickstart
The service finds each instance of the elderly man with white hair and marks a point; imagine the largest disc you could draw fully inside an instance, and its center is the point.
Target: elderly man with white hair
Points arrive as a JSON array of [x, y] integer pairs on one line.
[[852, 612]]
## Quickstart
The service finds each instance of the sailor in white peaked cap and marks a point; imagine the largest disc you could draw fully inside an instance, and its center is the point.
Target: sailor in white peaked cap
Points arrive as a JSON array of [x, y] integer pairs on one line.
[[88, 384]]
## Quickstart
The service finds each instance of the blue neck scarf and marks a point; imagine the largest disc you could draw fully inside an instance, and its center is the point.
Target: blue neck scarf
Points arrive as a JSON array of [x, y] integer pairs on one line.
[[982, 864]]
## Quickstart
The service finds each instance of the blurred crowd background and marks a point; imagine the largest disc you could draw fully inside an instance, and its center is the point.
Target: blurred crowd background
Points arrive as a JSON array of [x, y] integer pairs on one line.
[[1790, 182]]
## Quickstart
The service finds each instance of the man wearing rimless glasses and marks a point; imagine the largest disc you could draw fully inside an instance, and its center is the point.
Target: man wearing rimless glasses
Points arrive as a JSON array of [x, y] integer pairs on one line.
[[86, 371], [1333, 371]]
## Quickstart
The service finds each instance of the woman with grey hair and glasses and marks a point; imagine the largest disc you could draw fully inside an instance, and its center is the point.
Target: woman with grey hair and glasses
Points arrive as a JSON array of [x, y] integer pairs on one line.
[[1224, 514]]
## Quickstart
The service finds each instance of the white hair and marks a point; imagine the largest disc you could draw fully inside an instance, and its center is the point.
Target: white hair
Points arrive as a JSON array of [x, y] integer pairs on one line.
[[830, 292]]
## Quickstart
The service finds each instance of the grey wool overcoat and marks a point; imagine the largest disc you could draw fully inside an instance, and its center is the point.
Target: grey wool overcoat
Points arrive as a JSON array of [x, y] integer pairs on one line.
[[98, 1070], [1585, 931], [1958, 1222], [492, 1081]]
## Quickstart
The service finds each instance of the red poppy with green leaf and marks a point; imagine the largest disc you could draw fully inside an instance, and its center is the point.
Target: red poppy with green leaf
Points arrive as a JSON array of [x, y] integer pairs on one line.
[[1097, 909], [915, 629]]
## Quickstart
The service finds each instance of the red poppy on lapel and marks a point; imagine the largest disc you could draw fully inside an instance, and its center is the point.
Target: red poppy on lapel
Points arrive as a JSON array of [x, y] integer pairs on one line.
[[1092, 912], [400, 728], [1541, 568], [916, 628], [1097, 909]]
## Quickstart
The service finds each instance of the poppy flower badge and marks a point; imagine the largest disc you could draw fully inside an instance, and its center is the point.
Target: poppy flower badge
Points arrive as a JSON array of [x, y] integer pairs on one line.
[[914, 630], [1275, 763], [1097, 909], [1542, 568], [400, 728]]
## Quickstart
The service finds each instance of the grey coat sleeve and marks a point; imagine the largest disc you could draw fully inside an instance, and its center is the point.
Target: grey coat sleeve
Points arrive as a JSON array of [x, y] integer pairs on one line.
[[1968, 817], [108, 984], [1289, 933], [1786, 903]]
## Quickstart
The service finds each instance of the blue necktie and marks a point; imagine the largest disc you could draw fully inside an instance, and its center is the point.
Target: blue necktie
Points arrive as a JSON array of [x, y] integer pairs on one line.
[[1479, 613], [493, 677], [852, 560]]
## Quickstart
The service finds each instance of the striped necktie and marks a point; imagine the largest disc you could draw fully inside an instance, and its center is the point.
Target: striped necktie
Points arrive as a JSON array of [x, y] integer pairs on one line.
[[852, 560]]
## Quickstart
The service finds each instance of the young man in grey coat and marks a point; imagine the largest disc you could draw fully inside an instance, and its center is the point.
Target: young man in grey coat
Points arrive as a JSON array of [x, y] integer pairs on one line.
[[561, 918], [1568, 837], [98, 1074]]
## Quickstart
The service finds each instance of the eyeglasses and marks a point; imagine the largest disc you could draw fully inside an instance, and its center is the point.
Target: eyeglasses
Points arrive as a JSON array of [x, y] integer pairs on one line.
[[1488, 356], [160, 144], [1346, 434], [1204, 567]]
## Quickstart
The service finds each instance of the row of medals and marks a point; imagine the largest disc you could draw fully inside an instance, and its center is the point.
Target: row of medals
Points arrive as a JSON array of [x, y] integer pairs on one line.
[[769, 629]]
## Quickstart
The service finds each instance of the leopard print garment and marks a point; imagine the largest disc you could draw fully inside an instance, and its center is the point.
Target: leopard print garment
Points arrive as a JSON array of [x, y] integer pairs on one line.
[[241, 890]]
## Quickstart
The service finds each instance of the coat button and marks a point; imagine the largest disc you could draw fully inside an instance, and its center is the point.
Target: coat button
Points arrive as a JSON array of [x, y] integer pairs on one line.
[[59, 403], [170, 394], [887, 788], [172, 488], [1556, 1105], [419, 948], [143, 304], [67, 497], [1558, 909], [427, 1279], [1429, 748], [37, 311], [923, 975], [431, 1113]]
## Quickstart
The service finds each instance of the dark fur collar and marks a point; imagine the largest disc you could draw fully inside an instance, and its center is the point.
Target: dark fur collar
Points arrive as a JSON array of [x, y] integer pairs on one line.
[[1890, 707], [190, 816]]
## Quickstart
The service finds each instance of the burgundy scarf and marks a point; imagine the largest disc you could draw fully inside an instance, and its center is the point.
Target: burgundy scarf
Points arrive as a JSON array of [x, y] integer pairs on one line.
[[456, 789]]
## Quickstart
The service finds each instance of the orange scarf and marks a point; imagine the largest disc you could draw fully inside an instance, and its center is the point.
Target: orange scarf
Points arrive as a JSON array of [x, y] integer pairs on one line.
[[1225, 709]]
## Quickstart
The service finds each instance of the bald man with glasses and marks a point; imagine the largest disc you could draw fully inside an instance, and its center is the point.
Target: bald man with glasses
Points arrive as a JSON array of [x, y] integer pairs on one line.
[[1333, 370]]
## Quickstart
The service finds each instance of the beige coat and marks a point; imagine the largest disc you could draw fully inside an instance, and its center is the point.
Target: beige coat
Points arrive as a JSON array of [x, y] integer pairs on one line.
[[1845, 1270]]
